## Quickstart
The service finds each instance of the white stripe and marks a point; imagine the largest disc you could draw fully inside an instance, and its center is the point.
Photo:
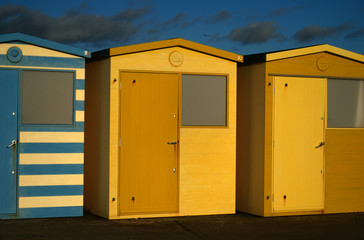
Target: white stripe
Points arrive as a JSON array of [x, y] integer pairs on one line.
[[50, 180], [50, 158], [53, 201], [51, 137]]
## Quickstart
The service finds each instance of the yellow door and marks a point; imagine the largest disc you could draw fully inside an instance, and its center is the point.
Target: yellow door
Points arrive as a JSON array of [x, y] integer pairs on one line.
[[149, 143], [299, 123]]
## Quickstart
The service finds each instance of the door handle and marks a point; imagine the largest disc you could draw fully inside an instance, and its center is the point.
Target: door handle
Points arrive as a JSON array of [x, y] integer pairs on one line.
[[320, 145], [12, 143], [172, 143]]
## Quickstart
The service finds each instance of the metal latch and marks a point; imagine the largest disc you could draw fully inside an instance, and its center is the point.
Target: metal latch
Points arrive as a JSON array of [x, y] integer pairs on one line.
[[320, 145], [12, 143]]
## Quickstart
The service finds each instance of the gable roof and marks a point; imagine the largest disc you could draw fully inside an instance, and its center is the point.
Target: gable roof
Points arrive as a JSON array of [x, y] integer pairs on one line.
[[24, 38], [278, 55], [175, 42]]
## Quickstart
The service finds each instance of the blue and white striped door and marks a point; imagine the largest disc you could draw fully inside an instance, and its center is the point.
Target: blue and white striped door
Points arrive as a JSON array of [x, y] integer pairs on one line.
[[8, 134]]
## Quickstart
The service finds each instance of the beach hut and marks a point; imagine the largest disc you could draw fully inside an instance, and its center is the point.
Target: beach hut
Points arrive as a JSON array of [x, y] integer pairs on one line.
[[41, 130], [160, 130], [300, 132]]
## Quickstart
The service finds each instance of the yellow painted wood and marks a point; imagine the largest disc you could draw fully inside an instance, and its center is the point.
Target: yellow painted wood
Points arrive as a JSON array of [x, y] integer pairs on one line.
[[250, 140], [80, 72], [314, 49], [307, 66], [194, 62], [176, 42], [80, 95], [299, 113], [268, 145], [51, 137], [97, 165], [148, 165], [80, 116], [51, 201], [50, 180], [344, 170], [50, 158], [31, 50]]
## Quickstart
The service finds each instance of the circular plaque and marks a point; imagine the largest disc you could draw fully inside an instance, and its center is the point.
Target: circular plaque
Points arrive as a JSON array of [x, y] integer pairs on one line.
[[14, 54], [176, 58], [322, 64]]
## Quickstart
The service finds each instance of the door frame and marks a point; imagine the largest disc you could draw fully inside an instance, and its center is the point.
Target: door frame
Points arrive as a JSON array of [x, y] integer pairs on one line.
[[179, 96], [289, 212], [16, 160]]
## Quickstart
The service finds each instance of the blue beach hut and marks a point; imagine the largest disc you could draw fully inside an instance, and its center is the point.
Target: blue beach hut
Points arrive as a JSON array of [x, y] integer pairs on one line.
[[41, 127]]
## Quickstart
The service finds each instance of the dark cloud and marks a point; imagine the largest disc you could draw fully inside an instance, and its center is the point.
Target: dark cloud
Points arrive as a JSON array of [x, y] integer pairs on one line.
[[314, 32], [220, 17], [132, 14], [286, 10], [259, 32], [214, 38], [356, 34], [74, 26], [179, 21]]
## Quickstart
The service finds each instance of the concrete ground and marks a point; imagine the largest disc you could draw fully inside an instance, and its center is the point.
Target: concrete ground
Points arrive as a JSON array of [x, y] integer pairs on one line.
[[238, 226]]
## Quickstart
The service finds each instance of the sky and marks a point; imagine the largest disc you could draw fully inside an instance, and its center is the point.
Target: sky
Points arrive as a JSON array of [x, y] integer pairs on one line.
[[239, 26]]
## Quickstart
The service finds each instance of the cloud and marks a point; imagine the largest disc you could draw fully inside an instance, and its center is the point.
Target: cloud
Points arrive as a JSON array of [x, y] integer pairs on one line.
[[356, 34], [314, 32], [286, 10], [179, 21], [74, 26], [259, 32], [220, 17]]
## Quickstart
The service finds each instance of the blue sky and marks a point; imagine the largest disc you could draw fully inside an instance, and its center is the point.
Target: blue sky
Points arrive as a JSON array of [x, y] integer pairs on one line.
[[239, 26]]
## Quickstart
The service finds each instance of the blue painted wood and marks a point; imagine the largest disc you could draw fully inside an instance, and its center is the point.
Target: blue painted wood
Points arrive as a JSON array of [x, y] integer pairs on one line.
[[40, 169], [40, 191], [80, 84], [50, 212], [80, 105], [8, 132], [37, 61], [19, 37], [50, 147], [79, 127]]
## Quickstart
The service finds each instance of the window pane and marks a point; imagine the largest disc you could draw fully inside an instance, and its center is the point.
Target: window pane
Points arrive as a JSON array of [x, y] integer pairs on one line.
[[203, 100], [47, 97], [345, 103]]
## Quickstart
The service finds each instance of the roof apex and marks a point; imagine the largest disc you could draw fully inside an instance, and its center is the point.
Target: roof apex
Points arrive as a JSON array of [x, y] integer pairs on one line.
[[271, 56], [174, 42], [11, 37]]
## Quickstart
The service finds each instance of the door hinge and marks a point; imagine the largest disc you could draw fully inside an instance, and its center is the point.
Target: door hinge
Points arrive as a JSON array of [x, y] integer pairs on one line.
[[119, 199], [274, 143], [273, 197], [120, 142], [120, 85]]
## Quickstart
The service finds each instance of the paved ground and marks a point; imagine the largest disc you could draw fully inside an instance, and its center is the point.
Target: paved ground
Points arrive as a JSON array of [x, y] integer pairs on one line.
[[238, 226]]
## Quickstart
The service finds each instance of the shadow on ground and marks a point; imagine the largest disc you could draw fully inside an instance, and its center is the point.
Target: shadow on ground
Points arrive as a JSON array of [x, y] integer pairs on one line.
[[237, 226]]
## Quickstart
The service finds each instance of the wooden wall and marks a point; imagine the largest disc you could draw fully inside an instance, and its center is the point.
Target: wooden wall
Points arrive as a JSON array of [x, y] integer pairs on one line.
[[97, 137], [344, 170], [250, 139]]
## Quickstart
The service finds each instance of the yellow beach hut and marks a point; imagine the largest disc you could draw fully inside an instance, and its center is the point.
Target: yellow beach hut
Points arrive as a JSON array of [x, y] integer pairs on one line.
[[41, 127], [300, 132], [160, 130]]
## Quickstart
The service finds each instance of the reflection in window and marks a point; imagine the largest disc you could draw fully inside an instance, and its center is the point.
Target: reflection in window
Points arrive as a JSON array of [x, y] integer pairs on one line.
[[47, 97], [345, 103], [204, 100]]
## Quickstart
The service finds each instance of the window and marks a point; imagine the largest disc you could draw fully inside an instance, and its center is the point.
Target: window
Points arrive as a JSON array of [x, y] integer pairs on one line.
[[204, 100], [47, 97], [345, 103]]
